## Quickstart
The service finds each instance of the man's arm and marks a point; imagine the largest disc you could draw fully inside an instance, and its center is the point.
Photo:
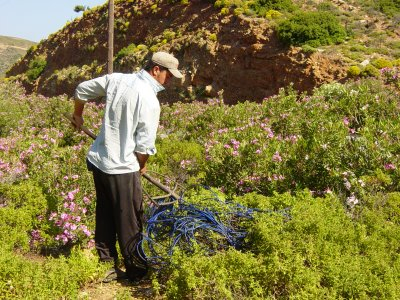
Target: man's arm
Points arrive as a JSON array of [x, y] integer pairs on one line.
[[78, 111], [88, 90]]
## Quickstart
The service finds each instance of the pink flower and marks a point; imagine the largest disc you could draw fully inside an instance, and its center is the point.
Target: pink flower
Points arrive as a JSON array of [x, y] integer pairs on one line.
[[86, 200], [70, 196], [235, 153], [258, 151], [390, 166], [346, 121], [276, 157], [64, 216]]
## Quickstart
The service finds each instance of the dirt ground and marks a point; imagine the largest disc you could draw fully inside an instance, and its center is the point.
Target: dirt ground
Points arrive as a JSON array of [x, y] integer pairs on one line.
[[117, 290]]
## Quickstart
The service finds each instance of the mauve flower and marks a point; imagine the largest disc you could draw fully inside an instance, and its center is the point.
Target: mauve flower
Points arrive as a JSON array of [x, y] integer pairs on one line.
[[64, 216], [258, 151], [346, 121], [276, 157], [390, 166]]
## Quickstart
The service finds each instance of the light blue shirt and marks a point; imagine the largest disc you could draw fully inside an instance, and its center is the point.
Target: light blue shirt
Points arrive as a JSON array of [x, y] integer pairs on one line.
[[130, 121]]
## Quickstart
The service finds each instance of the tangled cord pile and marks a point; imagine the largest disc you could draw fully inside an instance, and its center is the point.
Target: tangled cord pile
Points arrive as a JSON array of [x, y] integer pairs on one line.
[[187, 225]]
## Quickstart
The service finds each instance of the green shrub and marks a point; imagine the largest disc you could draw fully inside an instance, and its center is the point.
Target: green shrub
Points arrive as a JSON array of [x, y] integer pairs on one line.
[[396, 62], [353, 71], [41, 278], [388, 7], [313, 28], [381, 63], [128, 50], [36, 67], [24, 203], [370, 71], [226, 275], [273, 14], [261, 7], [212, 37]]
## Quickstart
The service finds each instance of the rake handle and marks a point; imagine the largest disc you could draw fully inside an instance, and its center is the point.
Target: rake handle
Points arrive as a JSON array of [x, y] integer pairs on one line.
[[147, 176]]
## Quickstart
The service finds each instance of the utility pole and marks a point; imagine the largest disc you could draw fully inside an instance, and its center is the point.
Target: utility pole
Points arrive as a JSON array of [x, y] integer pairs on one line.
[[110, 36]]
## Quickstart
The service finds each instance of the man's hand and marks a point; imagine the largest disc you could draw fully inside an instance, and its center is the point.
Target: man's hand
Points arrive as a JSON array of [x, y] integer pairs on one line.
[[142, 159], [143, 170], [78, 121]]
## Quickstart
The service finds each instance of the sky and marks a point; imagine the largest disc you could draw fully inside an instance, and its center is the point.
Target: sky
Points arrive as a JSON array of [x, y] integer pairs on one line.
[[35, 20]]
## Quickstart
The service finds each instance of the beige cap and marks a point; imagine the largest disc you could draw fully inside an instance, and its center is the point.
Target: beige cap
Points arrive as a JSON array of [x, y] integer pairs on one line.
[[168, 61]]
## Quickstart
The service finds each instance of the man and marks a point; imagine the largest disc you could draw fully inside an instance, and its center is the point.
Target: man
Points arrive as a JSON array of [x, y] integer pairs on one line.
[[119, 154]]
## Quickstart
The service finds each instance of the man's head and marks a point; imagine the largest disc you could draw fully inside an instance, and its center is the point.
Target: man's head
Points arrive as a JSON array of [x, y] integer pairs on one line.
[[162, 66]]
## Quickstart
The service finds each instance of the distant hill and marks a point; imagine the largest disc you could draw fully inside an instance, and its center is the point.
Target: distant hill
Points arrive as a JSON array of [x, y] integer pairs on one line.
[[11, 49]]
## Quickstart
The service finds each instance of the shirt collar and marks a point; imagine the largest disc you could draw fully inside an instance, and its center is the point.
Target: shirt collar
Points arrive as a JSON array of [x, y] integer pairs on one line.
[[155, 85]]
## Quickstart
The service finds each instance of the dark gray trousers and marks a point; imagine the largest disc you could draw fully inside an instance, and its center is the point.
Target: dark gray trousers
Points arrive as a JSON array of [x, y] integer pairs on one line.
[[119, 215]]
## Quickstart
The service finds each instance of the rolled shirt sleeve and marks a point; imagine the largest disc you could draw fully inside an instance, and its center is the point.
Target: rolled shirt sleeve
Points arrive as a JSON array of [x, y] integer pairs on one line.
[[91, 89]]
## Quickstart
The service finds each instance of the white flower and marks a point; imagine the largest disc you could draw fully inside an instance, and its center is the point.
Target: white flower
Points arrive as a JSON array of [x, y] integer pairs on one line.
[[352, 201]]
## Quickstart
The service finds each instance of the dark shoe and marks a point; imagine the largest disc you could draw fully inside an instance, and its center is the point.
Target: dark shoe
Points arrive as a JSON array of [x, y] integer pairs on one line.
[[136, 274], [114, 274]]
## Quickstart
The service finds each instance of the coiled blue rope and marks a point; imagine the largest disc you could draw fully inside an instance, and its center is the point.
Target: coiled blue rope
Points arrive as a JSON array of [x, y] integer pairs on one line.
[[185, 224]]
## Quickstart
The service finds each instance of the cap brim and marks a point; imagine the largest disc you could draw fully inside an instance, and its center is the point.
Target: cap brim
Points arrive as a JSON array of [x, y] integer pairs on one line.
[[176, 73]]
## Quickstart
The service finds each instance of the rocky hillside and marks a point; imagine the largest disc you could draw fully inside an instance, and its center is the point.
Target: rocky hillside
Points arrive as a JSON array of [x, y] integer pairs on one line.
[[221, 52], [11, 49]]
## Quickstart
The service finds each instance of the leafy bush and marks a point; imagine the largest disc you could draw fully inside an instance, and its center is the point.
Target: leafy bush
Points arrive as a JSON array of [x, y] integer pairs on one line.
[[226, 275], [381, 63], [51, 278], [36, 67], [370, 71], [388, 7], [262, 7], [313, 28], [128, 50], [353, 71]]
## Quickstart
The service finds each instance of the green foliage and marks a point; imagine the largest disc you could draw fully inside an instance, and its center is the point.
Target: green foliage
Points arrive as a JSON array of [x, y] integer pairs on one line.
[[212, 37], [381, 63], [79, 8], [51, 278], [273, 14], [169, 34], [226, 275], [36, 67], [370, 71], [319, 252], [353, 71], [128, 50], [262, 7], [388, 7], [313, 28]]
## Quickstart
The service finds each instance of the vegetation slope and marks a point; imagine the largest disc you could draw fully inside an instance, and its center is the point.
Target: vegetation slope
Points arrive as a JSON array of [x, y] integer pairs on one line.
[[247, 49]]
